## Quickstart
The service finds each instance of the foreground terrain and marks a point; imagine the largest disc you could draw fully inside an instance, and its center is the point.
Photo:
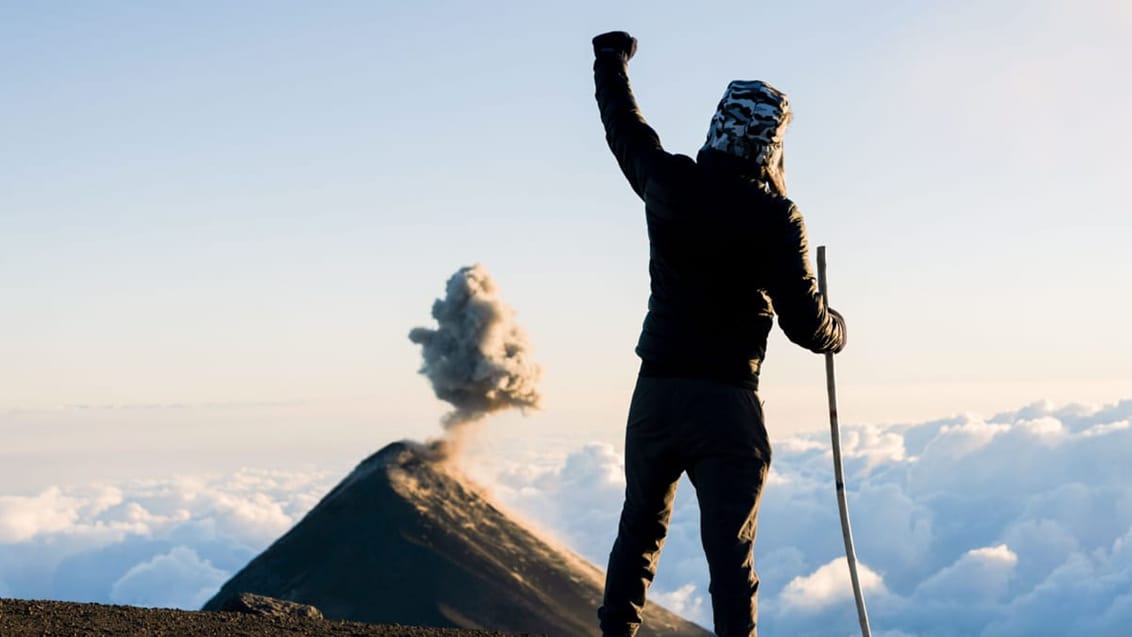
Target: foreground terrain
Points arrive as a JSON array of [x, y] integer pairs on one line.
[[21, 618]]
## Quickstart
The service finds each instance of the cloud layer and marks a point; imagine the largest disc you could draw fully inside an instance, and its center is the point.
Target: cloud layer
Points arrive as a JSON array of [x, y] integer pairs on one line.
[[1015, 525], [1009, 526], [168, 543]]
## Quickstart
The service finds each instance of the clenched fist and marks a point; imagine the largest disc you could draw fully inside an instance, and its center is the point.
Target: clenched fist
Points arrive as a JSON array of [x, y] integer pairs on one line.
[[616, 43]]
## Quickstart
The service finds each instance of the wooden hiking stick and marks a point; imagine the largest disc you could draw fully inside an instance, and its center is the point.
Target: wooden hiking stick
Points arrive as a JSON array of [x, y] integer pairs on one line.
[[838, 469]]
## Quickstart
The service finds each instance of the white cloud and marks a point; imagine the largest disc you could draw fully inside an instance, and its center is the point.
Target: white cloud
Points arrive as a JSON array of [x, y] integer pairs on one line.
[[157, 542], [1100, 430], [177, 579], [874, 444], [682, 601], [22, 518], [1047, 429], [979, 576], [956, 441], [828, 585]]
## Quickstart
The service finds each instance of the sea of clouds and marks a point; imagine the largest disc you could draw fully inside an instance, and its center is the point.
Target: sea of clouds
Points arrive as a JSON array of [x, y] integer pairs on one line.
[[165, 543], [1015, 525]]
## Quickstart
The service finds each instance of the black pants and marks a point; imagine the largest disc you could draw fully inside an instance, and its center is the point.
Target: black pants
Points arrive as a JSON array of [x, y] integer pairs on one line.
[[715, 432]]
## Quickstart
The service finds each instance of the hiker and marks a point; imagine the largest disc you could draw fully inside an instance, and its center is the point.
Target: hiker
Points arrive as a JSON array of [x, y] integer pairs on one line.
[[725, 243]]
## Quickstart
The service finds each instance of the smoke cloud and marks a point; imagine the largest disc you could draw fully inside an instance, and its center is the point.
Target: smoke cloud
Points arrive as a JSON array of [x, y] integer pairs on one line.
[[477, 359]]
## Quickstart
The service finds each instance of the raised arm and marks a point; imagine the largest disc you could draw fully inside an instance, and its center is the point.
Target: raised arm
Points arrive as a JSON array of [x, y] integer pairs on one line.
[[633, 142], [801, 309]]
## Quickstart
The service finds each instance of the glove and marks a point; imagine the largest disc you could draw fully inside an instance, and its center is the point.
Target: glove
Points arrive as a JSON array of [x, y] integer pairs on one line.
[[616, 43], [844, 332]]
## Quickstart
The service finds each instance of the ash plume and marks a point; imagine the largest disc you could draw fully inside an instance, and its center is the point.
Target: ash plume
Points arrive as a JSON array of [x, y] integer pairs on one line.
[[477, 359]]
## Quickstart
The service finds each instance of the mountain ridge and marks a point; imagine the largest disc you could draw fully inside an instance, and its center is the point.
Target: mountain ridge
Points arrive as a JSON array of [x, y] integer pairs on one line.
[[405, 538]]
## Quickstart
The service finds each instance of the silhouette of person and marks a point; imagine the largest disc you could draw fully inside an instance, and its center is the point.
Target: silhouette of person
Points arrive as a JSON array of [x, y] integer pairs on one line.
[[727, 252]]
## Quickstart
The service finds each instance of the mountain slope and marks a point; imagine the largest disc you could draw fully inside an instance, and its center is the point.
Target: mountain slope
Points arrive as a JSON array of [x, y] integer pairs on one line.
[[404, 539]]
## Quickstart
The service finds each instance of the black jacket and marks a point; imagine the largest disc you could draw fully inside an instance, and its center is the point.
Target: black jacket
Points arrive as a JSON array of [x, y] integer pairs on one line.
[[721, 250]]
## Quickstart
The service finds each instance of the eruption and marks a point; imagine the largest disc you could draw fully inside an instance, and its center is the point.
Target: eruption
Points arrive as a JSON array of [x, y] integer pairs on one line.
[[478, 358]]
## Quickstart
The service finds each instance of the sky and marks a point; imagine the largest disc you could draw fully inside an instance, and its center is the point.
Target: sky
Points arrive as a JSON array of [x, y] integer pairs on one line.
[[219, 222]]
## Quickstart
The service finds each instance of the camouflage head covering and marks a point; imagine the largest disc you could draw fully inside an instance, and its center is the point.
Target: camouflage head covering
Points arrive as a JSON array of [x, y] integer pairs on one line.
[[750, 123]]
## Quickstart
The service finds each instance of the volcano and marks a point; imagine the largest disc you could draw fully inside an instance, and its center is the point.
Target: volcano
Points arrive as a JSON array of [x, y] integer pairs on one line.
[[407, 539]]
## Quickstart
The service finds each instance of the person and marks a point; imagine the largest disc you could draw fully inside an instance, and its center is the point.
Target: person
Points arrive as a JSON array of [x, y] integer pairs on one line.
[[727, 251]]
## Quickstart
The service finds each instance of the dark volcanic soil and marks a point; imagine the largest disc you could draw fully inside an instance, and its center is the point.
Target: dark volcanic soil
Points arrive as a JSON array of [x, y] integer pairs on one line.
[[19, 618]]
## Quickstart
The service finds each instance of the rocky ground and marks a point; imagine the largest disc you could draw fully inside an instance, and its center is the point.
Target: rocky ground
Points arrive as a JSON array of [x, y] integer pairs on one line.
[[21, 618]]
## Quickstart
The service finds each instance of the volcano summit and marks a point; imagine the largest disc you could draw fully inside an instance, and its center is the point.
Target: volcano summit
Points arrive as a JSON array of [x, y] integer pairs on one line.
[[406, 539]]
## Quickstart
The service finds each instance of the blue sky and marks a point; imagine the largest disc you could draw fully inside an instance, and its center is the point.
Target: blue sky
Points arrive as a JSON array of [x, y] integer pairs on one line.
[[218, 221]]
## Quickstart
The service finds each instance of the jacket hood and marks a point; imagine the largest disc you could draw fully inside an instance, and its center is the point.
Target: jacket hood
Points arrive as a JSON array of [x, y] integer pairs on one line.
[[750, 123]]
